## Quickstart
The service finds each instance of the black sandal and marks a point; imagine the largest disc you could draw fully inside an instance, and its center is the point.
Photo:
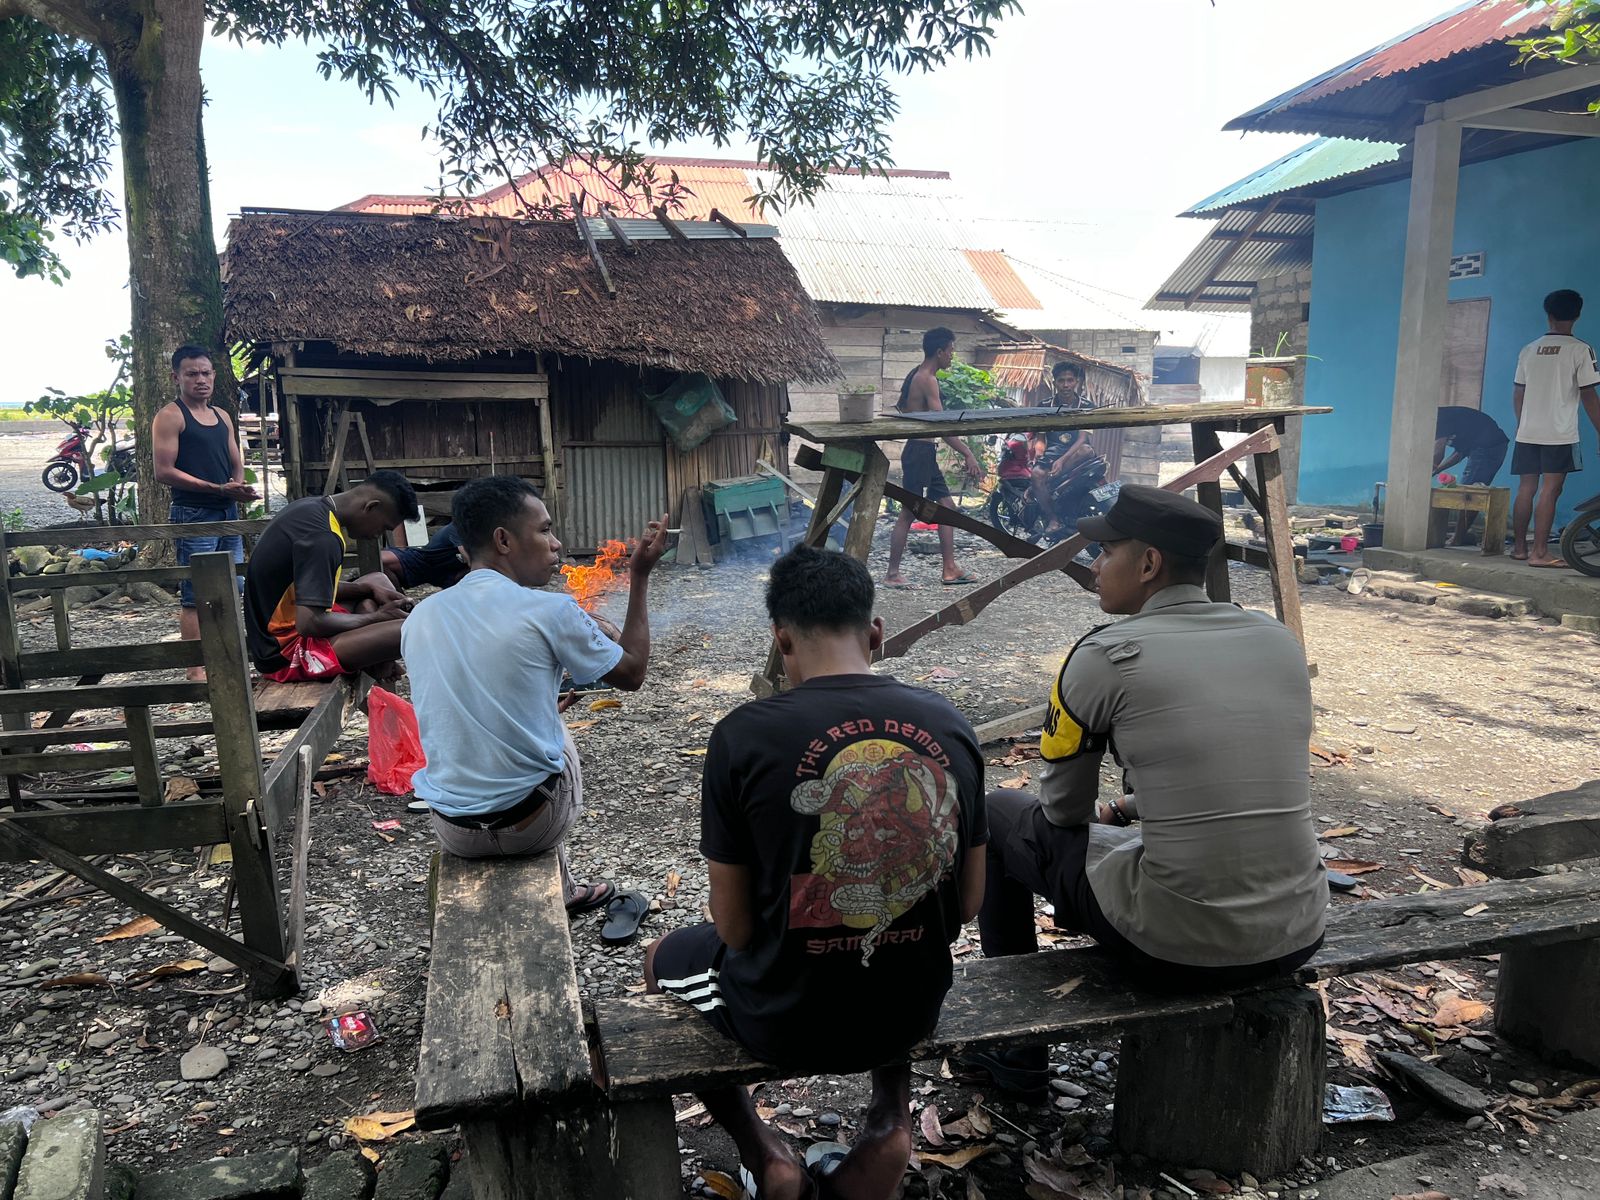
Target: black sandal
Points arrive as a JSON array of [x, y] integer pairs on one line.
[[625, 912]]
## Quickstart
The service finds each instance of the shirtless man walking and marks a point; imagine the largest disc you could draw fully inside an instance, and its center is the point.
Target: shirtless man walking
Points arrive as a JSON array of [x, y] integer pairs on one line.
[[919, 465]]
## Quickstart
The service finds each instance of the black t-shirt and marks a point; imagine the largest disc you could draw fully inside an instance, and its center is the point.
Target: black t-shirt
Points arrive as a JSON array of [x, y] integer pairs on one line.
[[1468, 429], [853, 800], [1057, 442], [296, 561]]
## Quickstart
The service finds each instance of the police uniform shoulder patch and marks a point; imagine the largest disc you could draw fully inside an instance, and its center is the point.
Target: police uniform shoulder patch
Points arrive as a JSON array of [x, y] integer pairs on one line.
[[1123, 651], [1064, 736]]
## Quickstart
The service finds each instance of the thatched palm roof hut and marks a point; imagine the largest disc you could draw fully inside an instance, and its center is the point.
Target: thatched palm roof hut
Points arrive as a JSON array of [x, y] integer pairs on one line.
[[478, 344]]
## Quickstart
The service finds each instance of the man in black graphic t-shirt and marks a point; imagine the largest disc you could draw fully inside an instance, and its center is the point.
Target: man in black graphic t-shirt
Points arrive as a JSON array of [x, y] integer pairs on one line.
[[838, 821]]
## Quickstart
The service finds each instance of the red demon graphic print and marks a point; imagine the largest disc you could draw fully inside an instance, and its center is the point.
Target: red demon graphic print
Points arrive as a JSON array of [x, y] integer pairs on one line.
[[889, 835]]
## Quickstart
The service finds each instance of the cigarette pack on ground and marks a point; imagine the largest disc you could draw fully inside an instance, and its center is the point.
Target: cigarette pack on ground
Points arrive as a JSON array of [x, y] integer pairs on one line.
[[352, 1031]]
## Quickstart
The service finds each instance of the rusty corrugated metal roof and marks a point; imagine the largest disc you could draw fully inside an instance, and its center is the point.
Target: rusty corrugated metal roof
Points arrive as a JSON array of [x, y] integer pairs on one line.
[[1379, 77], [1001, 280]]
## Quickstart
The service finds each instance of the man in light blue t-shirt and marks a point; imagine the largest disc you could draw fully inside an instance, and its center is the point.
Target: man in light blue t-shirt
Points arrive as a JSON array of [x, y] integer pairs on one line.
[[486, 659]]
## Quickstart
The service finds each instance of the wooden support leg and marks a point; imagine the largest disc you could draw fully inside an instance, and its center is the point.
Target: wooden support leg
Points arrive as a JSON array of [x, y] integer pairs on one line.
[[1205, 442], [1545, 1001], [1494, 521], [629, 1152], [869, 499], [1280, 542], [233, 714], [1270, 1061]]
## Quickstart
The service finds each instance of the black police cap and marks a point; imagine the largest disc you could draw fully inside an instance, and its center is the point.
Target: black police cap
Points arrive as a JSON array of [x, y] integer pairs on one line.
[[1166, 520]]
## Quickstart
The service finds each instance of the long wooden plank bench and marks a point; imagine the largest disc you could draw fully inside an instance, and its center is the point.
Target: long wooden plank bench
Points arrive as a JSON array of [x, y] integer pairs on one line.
[[506, 1055], [255, 805]]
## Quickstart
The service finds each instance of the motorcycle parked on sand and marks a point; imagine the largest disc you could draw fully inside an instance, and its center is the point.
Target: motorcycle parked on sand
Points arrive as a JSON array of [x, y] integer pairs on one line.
[[71, 465]]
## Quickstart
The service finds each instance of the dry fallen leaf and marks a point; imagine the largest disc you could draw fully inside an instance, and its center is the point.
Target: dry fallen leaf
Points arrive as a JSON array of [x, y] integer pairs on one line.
[[180, 787], [581, 724], [602, 705], [956, 1159], [1019, 780], [184, 966], [1453, 1010], [979, 1120], [84, 979], [673, 880], [1352, 866], [929, 1122], [974, 1192], [1065, 989], [135, 928], [1339, 831], [379, 1126], [368, 1153]]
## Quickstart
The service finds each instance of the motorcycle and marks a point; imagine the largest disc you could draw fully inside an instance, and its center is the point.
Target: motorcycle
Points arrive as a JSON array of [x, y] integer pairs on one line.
[[1580, 540], [1081, 492], [71, 466]]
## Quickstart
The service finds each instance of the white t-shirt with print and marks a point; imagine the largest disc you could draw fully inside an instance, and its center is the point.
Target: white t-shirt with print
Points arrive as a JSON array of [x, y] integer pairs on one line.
[[1551, 371]]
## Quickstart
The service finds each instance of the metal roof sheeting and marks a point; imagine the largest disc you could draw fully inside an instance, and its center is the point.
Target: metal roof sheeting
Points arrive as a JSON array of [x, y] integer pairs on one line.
[[1240, 262], [897, 238], [1377, 74], [1315, 162]]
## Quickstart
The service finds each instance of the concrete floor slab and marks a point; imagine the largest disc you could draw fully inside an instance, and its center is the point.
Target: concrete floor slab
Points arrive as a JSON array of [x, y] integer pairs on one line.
[[1555, 592]]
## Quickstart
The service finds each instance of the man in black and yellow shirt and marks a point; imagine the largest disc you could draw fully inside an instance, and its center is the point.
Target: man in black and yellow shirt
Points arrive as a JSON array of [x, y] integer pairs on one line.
[[302, 622]]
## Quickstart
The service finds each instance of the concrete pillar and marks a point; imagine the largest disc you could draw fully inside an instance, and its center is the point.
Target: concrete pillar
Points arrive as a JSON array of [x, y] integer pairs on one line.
[[1419, 362]]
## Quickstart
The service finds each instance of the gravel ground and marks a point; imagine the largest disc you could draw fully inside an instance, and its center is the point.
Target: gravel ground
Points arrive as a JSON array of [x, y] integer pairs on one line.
[[1429, 719]]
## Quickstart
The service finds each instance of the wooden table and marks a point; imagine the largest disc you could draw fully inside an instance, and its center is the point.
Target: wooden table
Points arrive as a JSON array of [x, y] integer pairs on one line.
[[1494, 503], [855, 470]]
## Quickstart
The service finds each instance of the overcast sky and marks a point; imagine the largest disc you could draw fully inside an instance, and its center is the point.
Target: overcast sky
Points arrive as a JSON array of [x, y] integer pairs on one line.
[[1078, 141]]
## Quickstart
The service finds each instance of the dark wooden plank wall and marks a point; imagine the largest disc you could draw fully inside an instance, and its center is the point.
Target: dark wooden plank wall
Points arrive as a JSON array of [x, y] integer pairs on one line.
[[412, 429]]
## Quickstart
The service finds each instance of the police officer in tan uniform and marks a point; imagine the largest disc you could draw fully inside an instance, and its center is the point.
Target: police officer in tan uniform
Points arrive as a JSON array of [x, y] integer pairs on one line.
[[1217, 880]]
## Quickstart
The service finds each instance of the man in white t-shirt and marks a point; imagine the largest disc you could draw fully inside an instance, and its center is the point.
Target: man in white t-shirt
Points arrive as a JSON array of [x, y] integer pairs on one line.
[[486, 658], [1555, 375]]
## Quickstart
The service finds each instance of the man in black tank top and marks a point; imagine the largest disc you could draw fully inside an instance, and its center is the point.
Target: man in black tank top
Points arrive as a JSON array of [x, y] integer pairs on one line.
[[197, 455]]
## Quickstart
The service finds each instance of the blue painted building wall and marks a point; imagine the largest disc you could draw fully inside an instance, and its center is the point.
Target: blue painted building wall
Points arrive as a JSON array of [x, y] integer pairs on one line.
[[1534, 217]]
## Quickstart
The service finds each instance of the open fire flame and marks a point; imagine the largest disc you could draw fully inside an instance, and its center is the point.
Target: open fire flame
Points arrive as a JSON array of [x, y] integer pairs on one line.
[[589, 585]]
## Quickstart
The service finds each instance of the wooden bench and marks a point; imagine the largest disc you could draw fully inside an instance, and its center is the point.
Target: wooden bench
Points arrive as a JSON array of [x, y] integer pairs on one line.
[[1552, 833], [1494, 503], [558, 1101], [69, 827]]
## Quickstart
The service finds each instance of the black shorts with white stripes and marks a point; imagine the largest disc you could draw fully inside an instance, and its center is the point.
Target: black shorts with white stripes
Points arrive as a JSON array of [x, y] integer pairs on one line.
[[687, 964]]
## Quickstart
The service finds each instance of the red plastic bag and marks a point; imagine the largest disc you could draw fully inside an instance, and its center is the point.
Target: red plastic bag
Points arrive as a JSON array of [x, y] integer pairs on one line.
[[394, 747]]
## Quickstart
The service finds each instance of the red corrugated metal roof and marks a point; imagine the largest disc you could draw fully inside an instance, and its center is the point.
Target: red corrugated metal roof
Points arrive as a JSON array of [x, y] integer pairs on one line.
[[1001, 279], [1457, 32]]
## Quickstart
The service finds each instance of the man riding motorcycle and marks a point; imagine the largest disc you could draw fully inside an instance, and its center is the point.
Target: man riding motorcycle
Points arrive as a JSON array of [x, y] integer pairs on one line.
[[1065, 449]]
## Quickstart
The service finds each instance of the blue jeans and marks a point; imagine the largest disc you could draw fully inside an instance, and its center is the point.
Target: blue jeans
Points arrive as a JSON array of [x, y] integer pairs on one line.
[[187, 514]]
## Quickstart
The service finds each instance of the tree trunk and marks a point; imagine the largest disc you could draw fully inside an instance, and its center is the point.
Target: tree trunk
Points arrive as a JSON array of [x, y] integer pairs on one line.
[[173, 273]]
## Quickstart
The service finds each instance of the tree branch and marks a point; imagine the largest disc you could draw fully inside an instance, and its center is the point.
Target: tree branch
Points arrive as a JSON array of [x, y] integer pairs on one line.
[[101, 24]]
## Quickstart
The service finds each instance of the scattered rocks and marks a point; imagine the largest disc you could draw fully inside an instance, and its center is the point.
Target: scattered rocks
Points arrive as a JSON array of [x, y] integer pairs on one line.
[[12, 1142], [103, 1039], [203, 1062], [1523, 1087]]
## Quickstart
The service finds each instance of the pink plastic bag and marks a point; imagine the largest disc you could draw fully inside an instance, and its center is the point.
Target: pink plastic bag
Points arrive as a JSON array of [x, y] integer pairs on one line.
[[394, 747]]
